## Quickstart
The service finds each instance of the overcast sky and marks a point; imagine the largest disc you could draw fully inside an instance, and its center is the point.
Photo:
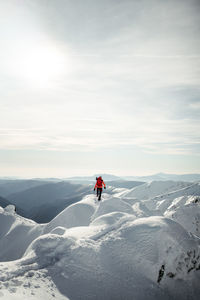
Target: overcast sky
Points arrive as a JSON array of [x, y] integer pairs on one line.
[[90, 86]]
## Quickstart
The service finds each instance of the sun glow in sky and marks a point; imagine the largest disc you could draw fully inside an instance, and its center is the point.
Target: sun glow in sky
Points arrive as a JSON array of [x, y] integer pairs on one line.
[[39, 65], [99, 86]]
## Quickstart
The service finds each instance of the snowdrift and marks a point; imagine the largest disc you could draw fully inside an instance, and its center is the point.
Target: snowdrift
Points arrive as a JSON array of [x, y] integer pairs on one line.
[[16, 233], [119, 258], [114, 249]]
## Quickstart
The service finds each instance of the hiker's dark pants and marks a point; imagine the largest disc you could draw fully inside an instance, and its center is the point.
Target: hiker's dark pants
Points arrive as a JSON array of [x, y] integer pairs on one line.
[[99, 191]]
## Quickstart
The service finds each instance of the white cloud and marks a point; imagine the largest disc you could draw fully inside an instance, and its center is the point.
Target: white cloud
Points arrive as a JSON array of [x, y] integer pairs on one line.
[[153, 135], [127, 82]]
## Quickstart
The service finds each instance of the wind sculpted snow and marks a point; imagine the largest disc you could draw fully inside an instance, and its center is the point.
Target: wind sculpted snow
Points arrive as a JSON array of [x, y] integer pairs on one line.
[[115, 249]]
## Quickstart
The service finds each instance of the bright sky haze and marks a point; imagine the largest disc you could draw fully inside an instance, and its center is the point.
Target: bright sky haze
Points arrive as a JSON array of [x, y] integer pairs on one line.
[[95, 86]]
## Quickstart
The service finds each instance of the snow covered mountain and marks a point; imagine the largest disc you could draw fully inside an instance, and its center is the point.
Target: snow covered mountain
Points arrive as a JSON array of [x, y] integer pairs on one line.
[[154, 188], [142, 243], [91, 179]]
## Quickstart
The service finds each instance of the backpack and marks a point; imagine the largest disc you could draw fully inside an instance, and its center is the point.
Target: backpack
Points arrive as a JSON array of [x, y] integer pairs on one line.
[[99, 181]]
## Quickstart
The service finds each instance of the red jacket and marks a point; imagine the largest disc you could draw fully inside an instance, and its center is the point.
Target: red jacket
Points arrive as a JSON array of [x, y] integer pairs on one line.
[[100, 183]]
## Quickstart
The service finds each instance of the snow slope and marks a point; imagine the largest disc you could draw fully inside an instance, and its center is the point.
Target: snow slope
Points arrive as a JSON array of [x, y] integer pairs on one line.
[[185, 211], [154, 188], [114, 249], [161, 202]]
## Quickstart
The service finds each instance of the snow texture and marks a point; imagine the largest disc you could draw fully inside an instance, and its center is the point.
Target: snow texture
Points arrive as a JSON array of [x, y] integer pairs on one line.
[[137, 244]]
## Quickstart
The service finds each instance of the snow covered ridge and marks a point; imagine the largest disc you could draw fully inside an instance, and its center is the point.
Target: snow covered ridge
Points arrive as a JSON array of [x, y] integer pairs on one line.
[[121, 248], [155, 188]]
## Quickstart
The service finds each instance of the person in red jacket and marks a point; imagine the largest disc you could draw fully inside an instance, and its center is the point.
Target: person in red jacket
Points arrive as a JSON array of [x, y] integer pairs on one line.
[[99, 186]]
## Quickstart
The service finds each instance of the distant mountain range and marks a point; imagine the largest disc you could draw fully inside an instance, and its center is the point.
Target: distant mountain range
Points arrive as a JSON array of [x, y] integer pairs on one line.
[[91, 179], [4, 202], [158, 176], [44, 201], [124, 183], [164, 177], [10, 186]]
